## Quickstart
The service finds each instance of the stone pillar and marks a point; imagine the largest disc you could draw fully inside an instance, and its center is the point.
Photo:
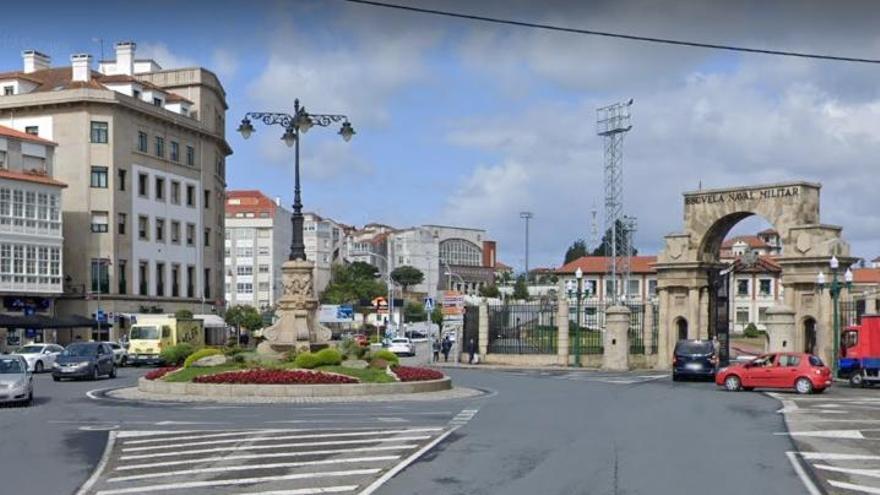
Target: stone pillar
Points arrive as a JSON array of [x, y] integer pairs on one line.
[[780, 328], [693, 313], [562, 340], [483, 330], [297, 327], [870, 305], [616, 355], [648, 326], [665, 328], [702, 322]]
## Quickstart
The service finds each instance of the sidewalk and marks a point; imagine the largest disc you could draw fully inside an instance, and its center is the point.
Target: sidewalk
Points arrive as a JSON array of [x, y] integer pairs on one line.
[[505, 367]]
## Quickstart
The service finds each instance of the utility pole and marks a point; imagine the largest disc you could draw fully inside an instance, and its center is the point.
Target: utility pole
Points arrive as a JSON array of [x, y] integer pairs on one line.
[[527, 215]]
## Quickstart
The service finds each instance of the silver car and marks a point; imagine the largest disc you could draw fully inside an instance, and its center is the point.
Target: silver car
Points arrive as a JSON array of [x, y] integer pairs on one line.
[[40, 357], [16, 382], [120, 355]]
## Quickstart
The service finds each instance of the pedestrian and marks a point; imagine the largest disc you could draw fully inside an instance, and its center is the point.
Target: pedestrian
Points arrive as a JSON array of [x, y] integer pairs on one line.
[[472, 349], [446, 347], [435, 345]]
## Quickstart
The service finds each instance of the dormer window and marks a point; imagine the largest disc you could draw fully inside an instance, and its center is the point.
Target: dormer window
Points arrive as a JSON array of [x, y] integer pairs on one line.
[[157, 102], [8, 90], [136, 93]]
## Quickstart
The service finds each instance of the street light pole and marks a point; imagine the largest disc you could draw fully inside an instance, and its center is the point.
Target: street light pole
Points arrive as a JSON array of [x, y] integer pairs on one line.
[[834, 290], [527, 215]]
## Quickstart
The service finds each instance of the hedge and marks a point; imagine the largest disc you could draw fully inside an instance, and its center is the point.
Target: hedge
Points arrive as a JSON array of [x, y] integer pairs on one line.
[[199, 355], [176, 354], [386, 355]]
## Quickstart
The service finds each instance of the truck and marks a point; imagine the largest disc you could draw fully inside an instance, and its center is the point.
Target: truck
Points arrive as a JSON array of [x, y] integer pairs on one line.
[[149, 334], [859, 358]]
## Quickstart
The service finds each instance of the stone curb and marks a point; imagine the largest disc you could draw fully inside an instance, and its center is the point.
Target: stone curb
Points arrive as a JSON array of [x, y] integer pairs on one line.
[[506, 367], [333, 390]]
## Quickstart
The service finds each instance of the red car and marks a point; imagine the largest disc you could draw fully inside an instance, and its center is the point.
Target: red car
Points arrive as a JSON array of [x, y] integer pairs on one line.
[[805, 373]]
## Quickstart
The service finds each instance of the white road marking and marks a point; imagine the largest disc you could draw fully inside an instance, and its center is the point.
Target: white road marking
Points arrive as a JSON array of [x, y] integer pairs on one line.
[[851, 486], [105, 458], [99, 428], [403, 465], [151, 433], [169, 423], [276, 446], [848, 434], [307, 491], [799, 470], [276, 438], [302, 453], [206, 435], [239, 481], [392, 420], [224, 469], [830, 456]]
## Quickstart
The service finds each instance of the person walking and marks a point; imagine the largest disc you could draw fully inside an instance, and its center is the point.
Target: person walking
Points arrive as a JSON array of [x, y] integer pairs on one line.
[[472, 349], [435, 345], [446, 347]]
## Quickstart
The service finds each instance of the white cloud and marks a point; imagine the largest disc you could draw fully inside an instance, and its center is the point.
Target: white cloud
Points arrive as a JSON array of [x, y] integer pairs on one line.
[[164, 56], [224, 63]]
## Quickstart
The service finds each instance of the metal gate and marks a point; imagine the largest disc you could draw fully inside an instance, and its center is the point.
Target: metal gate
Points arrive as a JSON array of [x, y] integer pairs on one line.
[[471, 328], [522, 328]]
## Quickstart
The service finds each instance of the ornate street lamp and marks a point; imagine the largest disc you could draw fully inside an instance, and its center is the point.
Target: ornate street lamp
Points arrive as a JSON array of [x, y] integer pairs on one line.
[[834, 289], [300, 122], [576, 289]]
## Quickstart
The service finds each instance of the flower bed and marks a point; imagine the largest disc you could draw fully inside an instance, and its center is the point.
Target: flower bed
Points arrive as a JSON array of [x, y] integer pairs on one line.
[[160, 372], [275, 377], [410, 374]]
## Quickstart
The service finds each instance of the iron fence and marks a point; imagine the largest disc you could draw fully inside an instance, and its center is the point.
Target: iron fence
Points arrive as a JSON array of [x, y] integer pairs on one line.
[[471, 326], [586, 334], [528, 328], [636, 327], [655, 327]]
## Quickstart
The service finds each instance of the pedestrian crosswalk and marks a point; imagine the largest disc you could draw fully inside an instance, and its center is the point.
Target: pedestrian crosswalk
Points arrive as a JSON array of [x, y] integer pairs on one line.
[[270, 461]]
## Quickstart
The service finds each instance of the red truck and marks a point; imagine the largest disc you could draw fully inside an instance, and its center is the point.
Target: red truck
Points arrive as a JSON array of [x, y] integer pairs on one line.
[[860, 352]]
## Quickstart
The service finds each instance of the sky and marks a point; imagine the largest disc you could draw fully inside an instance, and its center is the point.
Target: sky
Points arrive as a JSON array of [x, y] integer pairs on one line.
[[466, 123]]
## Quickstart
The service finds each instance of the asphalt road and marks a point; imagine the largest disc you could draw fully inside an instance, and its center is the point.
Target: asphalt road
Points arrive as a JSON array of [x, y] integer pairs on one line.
[[563, 432]]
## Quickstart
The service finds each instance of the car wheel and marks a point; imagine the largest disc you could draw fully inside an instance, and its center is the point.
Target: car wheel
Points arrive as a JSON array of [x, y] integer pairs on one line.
[[113, 372], [857, 380], [123, 361], [748, 389], [95, 374], [676, 378], [732, 383], [38, 367], [55, 378], [803, 386]]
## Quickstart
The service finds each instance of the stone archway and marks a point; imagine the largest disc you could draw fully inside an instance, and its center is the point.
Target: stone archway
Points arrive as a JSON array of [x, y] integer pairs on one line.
[[685, 263], [681, 328]]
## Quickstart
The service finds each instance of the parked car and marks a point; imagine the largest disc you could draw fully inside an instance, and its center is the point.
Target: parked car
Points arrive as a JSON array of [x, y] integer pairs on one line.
[[40, 357], [120, 355], [805, 373], [16, 381], [694, 358], [402, 345], [85, 360]]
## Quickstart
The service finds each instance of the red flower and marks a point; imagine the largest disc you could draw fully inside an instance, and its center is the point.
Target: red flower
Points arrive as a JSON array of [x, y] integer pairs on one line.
[[160, 372], [275, 377], [411, 374]]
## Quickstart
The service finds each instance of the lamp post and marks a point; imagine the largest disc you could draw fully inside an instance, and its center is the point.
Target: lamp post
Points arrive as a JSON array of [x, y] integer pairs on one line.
[[834, 290], [300, 122], [577, 288]]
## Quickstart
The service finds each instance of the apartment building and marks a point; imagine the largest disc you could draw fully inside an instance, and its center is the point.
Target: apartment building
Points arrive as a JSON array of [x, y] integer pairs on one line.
[[324, 240], [257, 243], [143, 152]]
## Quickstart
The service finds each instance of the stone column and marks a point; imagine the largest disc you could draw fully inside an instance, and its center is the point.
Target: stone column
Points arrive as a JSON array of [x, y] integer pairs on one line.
[[663, 336], [693, 313], [483, 330], [648, 326], [616, 355], [297, 326], [702, 322], [562, 340], [870, 305], [780, 328]]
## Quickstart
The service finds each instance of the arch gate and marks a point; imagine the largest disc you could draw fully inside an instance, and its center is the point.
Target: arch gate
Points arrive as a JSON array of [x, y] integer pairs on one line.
[[689, 265]]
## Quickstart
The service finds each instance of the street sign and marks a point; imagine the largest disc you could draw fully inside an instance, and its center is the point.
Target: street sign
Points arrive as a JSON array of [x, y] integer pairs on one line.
[[380, 305], [101, 316], [429, 304], [336, 313]]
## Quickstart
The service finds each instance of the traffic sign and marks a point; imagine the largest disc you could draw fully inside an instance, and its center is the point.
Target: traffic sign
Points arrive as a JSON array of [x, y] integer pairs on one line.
[[429, 304]]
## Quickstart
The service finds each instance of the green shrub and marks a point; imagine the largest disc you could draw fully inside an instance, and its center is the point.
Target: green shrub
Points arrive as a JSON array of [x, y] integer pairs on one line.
[[238, 358], [387, 356], [290, 355], [176, 354], [199, 355], [183, 314], [752, 331], [329, 357], [232, 350], [379, 363], [307, 360]]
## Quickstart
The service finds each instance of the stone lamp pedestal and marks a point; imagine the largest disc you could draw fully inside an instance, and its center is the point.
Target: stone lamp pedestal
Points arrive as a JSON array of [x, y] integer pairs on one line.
[[297, 327]]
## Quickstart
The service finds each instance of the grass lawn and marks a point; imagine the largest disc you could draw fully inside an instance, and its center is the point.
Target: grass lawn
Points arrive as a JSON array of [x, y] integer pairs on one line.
[[368, 375], [187, 374]]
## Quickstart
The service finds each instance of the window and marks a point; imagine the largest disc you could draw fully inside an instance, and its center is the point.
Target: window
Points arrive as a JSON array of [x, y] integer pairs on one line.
[[160, 147], [160, 189], [633, 288], [190, 195], [244, 252], [762, 315], [143, 185], [160, 230], [99, 177], [175, 277], [190, 234], [207, 290], [142, 141], [160, 279], [120, 177], [157, 101], [652, 288], [742, 316], [136, 93], [207, 198], [100, 276], [190, 281], [143, 277], [263, 250], [264, 233], [264, 286], [244, 270], [99, 132], [789, 360], [175, 192], [121, 271], [460, 252], [207, 237], [175, 232], [609, 288], [2, 159], [121, 220], [263, 268], [244, 288], [8, 90], [175, 151], [33, 130], [190, 156], [764, 288], [742, 287], [100, 221], [143, 228]]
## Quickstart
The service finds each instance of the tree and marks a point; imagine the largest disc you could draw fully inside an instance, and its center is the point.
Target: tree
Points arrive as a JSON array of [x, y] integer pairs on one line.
[[490, 291], [407, 276], [578, 249], [243, 316], [604, 248], [353, 283], [183, 314], [414, 311], [520, 289], [437, 316]]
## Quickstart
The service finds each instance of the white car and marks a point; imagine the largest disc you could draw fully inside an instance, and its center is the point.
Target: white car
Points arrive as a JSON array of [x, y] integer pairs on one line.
[[402, 345], [120, 355], [40, 357]]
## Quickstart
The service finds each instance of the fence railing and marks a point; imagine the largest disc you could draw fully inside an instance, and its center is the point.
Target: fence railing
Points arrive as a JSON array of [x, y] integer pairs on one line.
[[522, 329], [655, 327], [471, 326]]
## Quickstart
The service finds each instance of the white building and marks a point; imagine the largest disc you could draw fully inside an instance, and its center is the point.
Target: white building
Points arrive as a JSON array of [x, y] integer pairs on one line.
[[324, 241]]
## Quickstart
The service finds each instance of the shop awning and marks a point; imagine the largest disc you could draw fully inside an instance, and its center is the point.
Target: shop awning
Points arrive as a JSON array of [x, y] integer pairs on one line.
[[39, 322]]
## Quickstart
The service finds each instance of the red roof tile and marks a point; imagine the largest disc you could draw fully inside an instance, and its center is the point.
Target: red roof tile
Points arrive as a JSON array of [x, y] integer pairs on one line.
[[14, 134], [866, 276], [249, 201], [599, 264], [34, 177]]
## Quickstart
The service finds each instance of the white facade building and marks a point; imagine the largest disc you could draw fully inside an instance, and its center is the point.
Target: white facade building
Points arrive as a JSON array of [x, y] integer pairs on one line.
[[324, 241]]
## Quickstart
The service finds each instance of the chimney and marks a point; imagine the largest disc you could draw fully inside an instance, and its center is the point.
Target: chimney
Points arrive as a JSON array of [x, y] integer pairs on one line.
[[34, 61], [81, 64], [125, 57], [277, 201]]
